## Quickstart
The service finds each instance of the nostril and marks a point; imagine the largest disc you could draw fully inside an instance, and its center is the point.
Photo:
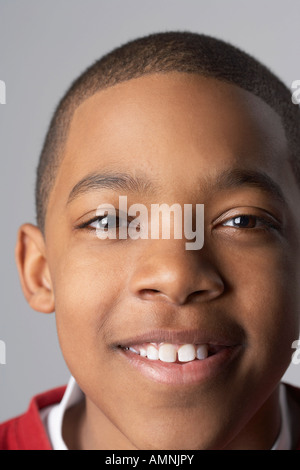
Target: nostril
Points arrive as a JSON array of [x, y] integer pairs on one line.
[[147, 293], [149, 290]]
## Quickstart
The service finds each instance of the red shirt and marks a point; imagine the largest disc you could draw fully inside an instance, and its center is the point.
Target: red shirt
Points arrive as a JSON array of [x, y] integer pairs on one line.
[[27, 432]]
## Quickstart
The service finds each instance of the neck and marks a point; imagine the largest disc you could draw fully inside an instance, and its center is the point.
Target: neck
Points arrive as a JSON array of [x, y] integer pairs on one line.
[[262, 430], [85, 427]]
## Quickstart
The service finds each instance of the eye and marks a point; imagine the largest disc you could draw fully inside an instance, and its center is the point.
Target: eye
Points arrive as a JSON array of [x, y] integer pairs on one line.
[[242, 221], [107, 222], [248, 222]]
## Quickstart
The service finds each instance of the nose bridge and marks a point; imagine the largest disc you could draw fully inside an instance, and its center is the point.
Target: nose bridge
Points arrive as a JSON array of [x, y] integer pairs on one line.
[[166, 269]]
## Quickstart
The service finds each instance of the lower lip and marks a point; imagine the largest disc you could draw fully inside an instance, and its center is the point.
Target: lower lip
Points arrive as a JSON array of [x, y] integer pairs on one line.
[[183, 373]]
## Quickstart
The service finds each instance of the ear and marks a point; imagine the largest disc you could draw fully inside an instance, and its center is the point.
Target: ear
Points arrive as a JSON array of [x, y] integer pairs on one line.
[[30, 254]]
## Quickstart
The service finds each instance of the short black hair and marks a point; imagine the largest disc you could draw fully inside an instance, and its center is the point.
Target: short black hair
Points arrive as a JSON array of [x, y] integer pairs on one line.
[[180, 51]]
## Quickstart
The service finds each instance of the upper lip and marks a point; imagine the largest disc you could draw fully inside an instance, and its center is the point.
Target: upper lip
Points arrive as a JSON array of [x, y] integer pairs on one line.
[[230, 337]]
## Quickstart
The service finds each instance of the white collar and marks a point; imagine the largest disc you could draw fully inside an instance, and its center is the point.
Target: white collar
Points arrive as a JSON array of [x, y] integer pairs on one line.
[[284, 439], [53, 418]]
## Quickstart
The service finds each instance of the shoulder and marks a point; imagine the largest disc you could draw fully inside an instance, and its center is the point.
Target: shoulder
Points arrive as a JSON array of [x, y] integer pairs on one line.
[[26, 432]]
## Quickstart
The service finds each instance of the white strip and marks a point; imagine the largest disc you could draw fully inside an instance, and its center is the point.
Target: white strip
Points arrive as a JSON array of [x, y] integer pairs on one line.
[[284, 440], [53, 416]]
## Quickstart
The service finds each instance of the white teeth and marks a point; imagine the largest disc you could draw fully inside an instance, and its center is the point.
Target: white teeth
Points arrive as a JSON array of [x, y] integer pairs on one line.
[[152, 352], [167, 352], [186, 353], [143, 352], [202, 352]]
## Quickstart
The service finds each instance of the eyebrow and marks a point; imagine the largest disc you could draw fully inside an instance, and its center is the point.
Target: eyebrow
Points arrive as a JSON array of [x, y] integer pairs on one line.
[[236, 177], [113, 181], [140, 183]]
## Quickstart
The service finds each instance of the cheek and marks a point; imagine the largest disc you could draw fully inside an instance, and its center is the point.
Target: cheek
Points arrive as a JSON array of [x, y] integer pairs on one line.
[[265, 299], [89, 285], [86, 289]]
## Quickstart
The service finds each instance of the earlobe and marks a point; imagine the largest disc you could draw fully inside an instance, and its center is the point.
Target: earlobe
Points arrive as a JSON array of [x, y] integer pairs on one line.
[[30, 255]]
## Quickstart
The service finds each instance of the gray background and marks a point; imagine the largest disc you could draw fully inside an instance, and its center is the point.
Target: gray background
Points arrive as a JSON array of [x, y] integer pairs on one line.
[[44, 45]]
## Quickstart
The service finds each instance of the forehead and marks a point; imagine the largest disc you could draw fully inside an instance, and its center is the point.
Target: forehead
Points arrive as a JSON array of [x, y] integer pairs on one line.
[[176, 127]]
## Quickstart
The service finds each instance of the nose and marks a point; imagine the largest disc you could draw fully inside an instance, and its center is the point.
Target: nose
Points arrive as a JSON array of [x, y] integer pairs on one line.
[[172, 273]]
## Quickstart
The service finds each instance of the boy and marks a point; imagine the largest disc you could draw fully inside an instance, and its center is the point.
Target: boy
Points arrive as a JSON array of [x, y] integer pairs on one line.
[[168, 348]]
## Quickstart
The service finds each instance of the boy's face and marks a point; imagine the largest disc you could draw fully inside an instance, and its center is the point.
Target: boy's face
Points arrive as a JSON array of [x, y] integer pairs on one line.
[[197, 141]]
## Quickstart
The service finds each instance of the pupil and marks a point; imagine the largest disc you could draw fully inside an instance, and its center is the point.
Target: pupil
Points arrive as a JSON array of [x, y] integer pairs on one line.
[[109, 222], [242, 221], [106, 222], [103, 222]]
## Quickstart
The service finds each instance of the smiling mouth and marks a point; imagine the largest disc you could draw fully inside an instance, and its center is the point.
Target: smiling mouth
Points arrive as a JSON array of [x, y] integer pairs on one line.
[[182, 357], [171, 353]]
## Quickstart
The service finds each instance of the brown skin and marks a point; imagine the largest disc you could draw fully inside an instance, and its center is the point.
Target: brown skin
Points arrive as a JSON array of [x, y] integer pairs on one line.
[[177, 128]]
